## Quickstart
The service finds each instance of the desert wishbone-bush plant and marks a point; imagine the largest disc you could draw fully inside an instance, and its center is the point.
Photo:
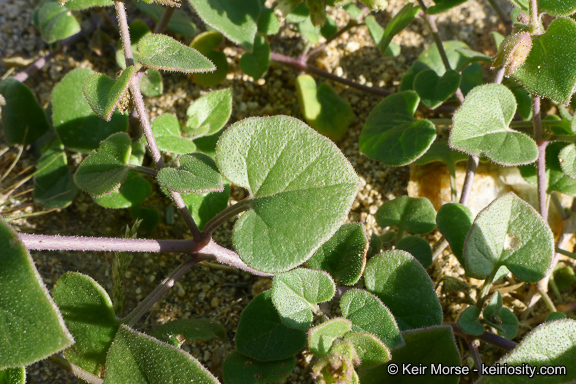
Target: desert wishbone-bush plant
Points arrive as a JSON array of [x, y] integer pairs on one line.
[[365, 309]]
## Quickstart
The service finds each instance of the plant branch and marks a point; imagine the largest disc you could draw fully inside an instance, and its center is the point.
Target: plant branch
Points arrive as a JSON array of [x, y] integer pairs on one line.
[[75, 370], [164, 20], [487, 337], [213, 251], [473, 162], [541, 162], [144, 170], [351, 24]]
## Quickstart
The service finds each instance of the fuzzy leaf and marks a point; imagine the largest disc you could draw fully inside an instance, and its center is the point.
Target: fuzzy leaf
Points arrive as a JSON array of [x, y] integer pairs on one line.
[[89, 315], [567, 159], [433, 89], [392, 135], [454, 221], [163, 52], [469, 321], [322, 337], [369, 314], [510, 233], [263, 336], [441, 151], [78, 5], [400, 21], [403, 285], [208, 114], [344, 255], [135, 358], [190, 329], [370, 349], [481, 127], [417, 247], [103, 94], [237, 20], [256, 63], [556, 177], [23, 120], [204, 206], [292, 173], [55, 22], [31, 326], [167, 132], [296, 293], [239, 369], [179, 22], [416, 215], [53, 183], [151, 84], [557, 7], [133, 191], [197, 173], [13, 376], [105, 169], [205, 43], [509, 324], [268, 23]]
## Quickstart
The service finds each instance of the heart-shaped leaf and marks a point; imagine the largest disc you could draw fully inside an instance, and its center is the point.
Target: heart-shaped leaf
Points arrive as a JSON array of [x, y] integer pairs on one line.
[[256, 63], [197, 173], [433, 89], [89, 315], [344, 255], [291, 173], [208, 114], [140, 359], [416, 215], [189, 329], [167, 132], [205, 43], [239, 369], [508, 324], [481, 127], [105, 169], [204, 206], [104, 94], [454, 221], [295, 295], [371, 351], [55, 22], [369, 314], [321, 337], [510, 233], [263, 336], [31, 326], [550, 69], [417, 247], [133, 191], [53, 183], [469, 321], [397, 278], [179, 22], [163, 52], [557, 7], [237, 20], [392, 135], [23, 120]]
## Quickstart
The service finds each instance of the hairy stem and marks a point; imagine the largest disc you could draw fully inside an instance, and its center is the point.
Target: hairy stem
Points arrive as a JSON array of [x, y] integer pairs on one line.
[[144, 170], [213, 251], [75, 370], [225, 215], [541, 162]]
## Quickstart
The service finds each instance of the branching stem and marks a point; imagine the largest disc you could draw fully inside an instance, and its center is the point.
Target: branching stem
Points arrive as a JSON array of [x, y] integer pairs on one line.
[[487, 337]]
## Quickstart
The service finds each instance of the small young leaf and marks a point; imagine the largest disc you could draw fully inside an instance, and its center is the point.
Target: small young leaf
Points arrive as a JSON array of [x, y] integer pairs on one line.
[[103, 94], [441, 151], [23, 120], [392, 135], [263, 336], [197, 173], [321, 337], [179, 22], [509, 324], [403, 285], [151, 84], [344, 255], [53, 183], [557, 7], [256, 63], [416, 215], [13, 376], [190, 329], [369, 314], [301, 17], [433, 89], [400, 21], [163, 52], [239, 369], [323, 109], [509, 232], [31, 326], [481, 127], [268, 23], [208, 114], [55, 22], [205, 43], [417, 247], [494, 306], [237, 20], [556, 316], [89, 315], [133, 191], [136, 358], [105, 169], [204, 206], [371, 351], [469, 321], [167, 132], [454, 221], [291, 173]]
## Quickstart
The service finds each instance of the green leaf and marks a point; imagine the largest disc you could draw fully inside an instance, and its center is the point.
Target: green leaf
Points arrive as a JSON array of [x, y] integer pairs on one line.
[[301, 17], [433, 89], [508, 325], [237, 20], [424, 347], [509, 232], [149, 217], [329, 29], [78, 5], [133, 191], [179, 22], [524, 101], [322, 337], [189, 329], [167, 132], [416, 215], [104, 94], [441, 151], [53, 183], [204, 206], [291, 173], [295, 295], [443, 6], [138, 29], [417, 247], [163, 52], [323, 109], [105, 169], [481, 127], [454, 221], [205, 43], [567, 160], [469, 321], [400, 21], [135, 358], [77, 126], [263, 336], [208, 114], [23, 120], [239, 369], [494, 306], [392, 135], [556, 316], [344, 255], [197, 173], [268, 23], [55, 22], [89, 315], [550, 344], [369, 314], [256, 63], [403, 285], [564, 277], [31, 326], [13, 376], [557, 7], [370, 349], [550, 69], [151, 82]]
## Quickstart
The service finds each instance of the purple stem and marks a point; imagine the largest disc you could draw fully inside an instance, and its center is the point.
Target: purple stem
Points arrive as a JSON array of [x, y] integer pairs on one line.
[[351, 24], [541, 163], [488, 337], [213, 251]]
